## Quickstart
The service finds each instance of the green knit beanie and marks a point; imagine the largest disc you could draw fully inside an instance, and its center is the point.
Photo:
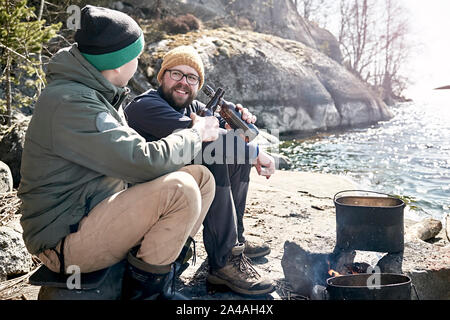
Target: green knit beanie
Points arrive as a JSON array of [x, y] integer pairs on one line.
[[108, 39]]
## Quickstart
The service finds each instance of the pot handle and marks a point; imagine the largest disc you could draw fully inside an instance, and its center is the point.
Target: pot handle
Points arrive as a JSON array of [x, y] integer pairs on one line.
[[415, 291], [384, 194]]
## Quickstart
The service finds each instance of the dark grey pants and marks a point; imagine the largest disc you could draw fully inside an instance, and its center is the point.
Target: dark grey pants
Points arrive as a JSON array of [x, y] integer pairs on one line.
[[223, 226]]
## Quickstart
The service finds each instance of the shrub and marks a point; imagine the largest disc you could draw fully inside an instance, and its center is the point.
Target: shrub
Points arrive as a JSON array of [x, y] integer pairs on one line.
[[181, 24]]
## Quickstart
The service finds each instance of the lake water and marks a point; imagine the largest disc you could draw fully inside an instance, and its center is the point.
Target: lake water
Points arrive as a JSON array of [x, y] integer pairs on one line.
[[407, 156]]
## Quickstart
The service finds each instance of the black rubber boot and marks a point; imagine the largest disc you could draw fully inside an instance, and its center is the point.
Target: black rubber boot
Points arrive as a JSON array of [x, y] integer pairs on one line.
[[182, 263], [143, 281]]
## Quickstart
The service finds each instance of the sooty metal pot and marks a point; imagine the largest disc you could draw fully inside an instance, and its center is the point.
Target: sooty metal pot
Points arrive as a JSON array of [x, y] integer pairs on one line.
[[371, 222], [387, 286]]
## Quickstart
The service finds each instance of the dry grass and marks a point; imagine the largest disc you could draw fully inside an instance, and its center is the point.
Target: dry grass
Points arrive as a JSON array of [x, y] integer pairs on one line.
[[19, 288], [16, 288], [9, 206]]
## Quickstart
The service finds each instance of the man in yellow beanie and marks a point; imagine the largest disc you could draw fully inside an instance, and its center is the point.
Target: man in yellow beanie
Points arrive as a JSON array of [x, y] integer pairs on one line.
[[156, 114]]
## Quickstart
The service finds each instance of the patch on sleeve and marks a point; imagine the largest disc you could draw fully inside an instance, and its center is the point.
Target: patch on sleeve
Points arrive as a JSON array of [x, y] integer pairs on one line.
[[105, 121]]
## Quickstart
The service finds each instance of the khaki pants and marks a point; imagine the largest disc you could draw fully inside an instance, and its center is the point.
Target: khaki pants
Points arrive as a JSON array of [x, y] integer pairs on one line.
[[159, 215]]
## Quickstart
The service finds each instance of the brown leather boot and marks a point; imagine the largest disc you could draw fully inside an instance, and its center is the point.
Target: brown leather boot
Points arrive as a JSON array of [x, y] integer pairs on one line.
[[240, 276]]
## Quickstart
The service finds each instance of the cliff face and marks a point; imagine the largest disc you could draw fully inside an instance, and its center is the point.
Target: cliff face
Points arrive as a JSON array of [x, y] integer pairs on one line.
[[286, 84], [275, 17]]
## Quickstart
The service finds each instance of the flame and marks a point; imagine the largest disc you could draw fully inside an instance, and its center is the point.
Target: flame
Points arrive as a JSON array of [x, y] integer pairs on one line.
[[350, 269], [334, 273]]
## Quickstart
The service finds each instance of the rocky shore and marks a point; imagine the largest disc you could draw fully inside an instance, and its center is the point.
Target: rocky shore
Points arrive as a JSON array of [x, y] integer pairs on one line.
[[291, 206], [290, 74]]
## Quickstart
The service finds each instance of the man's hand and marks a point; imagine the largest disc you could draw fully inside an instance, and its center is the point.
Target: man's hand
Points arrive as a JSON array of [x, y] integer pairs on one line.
[[265, 164], [208, 127], [246, 116]]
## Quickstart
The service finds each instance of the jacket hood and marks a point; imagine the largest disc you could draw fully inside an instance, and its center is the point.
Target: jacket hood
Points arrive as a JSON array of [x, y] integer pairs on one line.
[[68, 65]]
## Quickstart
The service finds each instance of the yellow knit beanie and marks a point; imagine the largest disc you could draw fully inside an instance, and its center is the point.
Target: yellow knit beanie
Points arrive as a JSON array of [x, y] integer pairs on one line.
[[183, 55]]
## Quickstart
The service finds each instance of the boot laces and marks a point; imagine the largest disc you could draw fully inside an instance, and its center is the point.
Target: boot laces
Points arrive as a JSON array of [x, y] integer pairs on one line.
[[245, 266]]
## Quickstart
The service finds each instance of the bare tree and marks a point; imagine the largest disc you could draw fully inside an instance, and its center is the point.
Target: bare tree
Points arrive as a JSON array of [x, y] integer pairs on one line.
[[357, 35], [373, 39], [396, 49], [373, 36]]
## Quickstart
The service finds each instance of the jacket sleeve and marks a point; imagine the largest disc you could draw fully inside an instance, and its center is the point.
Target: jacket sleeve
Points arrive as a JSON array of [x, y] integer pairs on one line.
[[86, 133], [152, 116]]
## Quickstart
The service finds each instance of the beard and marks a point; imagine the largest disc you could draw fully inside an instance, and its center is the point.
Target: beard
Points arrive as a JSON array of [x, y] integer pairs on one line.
[[175, 101]]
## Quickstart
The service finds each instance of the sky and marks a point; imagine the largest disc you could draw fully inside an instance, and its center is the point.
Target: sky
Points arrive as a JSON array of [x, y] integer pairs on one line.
[[430, 65]]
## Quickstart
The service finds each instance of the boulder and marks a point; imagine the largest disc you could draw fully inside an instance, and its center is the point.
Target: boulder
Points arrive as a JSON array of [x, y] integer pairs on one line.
[[11, 146], [14, 257], [279, 18], [287, 85], [424, 230], [6, 180]]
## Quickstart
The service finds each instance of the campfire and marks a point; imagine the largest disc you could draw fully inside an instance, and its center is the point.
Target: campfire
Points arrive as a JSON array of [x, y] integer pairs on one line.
[[369, 224]]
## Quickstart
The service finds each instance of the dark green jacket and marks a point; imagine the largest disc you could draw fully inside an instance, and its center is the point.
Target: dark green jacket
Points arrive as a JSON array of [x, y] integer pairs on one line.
[[79, 150]]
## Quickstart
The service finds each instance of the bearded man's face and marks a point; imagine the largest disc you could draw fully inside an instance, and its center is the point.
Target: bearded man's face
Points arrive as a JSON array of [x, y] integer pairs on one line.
[[179, 94]]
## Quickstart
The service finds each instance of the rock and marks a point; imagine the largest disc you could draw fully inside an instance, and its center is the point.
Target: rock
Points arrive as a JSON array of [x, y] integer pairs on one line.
[[138, 83], [204, 10], [425, 229], [428, 266], [11, 146], [14, 257], [287, 85], [6, 180], [303, 270], [279, 18], [326, 42], [430, 284], [391, 263]]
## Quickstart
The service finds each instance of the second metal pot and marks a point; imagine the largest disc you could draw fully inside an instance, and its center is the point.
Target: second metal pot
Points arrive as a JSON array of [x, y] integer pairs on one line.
[[370, 221]]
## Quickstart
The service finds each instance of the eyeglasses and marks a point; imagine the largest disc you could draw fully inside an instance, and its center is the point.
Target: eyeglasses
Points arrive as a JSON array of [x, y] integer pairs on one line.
[[178, 75]]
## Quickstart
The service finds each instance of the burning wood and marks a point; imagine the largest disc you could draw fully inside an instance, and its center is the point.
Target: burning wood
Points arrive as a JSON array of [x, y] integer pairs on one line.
[[350, 268], [333, 273]]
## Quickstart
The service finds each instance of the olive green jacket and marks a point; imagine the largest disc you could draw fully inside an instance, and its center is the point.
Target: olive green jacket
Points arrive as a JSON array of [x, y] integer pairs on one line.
[[79, 150]]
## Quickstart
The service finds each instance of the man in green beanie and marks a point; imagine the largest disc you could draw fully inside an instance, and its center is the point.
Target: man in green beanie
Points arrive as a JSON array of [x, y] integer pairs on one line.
[[80, 155]]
